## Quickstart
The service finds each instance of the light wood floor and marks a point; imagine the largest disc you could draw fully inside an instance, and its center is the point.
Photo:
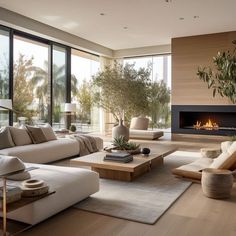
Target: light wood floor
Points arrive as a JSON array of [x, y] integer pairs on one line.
[[191, 215]]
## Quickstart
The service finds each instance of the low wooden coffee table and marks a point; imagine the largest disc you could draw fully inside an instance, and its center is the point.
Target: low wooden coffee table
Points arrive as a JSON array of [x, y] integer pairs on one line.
[[123, 171]]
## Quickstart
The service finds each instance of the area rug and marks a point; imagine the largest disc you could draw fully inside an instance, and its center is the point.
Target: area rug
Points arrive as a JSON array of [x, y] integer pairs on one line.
[[147, 198]]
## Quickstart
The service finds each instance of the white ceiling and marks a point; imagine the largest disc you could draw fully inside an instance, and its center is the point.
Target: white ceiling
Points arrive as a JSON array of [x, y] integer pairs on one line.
[[149, 22]]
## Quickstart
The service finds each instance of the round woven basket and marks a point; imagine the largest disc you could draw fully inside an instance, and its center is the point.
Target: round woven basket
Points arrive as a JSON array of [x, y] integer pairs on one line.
[[217, 183]]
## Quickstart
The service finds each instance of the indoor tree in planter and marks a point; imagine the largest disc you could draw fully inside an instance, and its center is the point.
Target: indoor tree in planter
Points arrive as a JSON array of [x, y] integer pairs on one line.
[[222, 79], [122, 90]]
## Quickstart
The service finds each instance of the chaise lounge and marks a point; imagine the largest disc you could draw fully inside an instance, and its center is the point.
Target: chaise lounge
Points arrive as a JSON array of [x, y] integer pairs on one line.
[[226, 160]]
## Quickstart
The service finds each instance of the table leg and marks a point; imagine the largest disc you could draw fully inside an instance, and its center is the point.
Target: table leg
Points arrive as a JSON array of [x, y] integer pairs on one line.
[[4, 206]]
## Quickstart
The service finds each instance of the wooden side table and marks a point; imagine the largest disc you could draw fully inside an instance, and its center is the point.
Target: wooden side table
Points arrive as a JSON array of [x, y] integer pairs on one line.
[[217, 183]]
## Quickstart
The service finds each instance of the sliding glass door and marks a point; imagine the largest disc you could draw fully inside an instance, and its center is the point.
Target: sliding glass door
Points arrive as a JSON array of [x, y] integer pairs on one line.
[[58, 86], [31, 81]]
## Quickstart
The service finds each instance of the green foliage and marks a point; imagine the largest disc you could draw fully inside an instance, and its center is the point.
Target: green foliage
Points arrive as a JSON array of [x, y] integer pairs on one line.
[[223, 81], [122, 90], [158, 99], [122, 144], [23, 90], [73, 128], [85, 99]]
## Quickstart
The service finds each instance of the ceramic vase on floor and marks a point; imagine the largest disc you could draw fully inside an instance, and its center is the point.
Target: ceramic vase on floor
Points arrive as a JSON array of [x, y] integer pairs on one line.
[[120, 130]]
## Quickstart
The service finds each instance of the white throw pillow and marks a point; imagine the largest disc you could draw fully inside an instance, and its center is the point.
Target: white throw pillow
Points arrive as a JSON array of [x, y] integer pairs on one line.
[[9, 164], [225, 145]]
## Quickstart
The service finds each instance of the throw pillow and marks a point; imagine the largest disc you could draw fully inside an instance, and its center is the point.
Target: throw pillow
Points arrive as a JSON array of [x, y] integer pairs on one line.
[[20, 136], [10, 164], [6, 139], [48, 132], [36, 134]]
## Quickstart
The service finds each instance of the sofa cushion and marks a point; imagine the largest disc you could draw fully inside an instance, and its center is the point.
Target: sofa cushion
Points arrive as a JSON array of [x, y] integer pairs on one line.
[[5, 138], [48, 132], [45, 152], [36, 134], [227, 159], [20, 136], [145, 134]]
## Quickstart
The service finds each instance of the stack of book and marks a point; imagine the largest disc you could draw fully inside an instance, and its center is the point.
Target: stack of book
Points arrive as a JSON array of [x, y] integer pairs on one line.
[[13, 194], [119, 157]]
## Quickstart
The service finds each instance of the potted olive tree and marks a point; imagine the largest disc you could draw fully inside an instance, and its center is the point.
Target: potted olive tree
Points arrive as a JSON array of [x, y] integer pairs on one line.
[[122, 90], [222, 78]]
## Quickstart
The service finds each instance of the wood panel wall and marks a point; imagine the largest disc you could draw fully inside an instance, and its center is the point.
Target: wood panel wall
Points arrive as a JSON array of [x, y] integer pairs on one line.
[[188, 53]]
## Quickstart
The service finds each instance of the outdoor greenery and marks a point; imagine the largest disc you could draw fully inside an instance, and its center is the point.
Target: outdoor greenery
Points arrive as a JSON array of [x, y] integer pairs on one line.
[[158, 100], [126, 92], [222, 79], [122, 90]]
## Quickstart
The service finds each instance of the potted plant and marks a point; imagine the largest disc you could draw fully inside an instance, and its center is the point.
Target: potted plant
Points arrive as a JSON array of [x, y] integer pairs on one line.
[[222, 79], [122, 91], [122, 145]]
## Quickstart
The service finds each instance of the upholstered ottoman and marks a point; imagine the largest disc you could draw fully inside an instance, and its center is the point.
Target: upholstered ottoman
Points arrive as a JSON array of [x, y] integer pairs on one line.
[[71, 185]]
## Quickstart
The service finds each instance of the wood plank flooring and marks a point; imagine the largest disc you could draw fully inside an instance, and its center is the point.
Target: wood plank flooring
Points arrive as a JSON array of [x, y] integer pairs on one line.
[[192, 214]]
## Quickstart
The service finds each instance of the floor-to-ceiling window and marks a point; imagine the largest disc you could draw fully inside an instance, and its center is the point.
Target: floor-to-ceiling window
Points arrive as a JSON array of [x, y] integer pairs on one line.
[[40, 76], [160, 66], [31, 97], [4, 73], [59, 81], [83, 67]]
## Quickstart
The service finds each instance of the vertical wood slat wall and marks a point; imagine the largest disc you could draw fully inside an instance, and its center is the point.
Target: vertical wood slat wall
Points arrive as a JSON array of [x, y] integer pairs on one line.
[[187, 54]]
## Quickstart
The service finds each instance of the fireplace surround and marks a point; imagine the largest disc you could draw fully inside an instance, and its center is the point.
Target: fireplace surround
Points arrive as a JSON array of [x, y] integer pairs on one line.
[[204, 119]]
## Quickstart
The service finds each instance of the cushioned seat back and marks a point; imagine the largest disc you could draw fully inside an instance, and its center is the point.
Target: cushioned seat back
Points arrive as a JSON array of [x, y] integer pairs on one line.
[[227, 159], [140, 123]]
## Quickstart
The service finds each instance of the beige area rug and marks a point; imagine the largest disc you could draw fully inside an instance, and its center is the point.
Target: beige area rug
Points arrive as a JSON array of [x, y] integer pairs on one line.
[[144, 200]]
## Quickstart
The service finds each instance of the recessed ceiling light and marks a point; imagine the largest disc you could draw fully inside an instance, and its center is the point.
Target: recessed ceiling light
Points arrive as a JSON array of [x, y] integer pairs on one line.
[[196, 17], [125, 27], [102, 14], [181, 18]]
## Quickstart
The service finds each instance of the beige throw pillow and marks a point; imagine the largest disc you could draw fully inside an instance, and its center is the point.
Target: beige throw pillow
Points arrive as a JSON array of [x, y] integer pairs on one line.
[[5, 138], [36, 134], [48, 132], [20, 136]]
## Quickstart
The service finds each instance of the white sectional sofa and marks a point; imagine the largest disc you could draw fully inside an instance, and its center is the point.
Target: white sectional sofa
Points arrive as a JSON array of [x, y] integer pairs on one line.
[[53, 149], [71, 185]]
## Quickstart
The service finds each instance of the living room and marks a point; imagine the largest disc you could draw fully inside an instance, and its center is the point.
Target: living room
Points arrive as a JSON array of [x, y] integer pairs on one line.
[[87, 86]]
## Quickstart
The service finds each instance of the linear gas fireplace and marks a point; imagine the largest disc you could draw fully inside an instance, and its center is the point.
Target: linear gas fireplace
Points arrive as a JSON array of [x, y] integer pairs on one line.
[[209, 120]]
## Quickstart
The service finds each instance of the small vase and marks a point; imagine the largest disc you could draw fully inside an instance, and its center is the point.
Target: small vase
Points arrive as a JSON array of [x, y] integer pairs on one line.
[[120, 130]]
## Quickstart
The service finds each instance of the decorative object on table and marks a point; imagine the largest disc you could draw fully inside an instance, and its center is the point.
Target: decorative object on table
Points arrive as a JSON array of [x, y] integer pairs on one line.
[[13, 194], [33, 188], [145, 151], [223, 81], [119, 157], [72, 128], [217, 183], [69, 109], [120, 130], [120, 144]]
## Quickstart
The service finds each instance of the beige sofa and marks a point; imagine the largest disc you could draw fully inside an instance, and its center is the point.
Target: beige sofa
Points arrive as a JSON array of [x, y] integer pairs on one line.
[[49, 151]]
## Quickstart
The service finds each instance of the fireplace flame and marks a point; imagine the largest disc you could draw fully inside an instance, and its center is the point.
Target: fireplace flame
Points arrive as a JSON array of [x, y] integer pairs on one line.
[[209, 125]]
